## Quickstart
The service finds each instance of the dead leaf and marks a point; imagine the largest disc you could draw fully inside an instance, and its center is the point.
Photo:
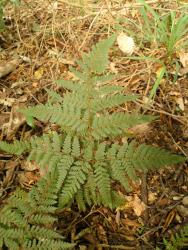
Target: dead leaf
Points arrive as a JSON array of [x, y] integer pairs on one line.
[[26, 179], [8, 67], [152, 197], [15, 121], [138, 206], [183, 71], [131, 223], [4, 118], [180, 102], [126, 43], [53, 7], [30, 166], [7, 101], [8, 179], [113, 68], [135, 203], [140, 130], [39, 73], [118, 215], [183, 59]]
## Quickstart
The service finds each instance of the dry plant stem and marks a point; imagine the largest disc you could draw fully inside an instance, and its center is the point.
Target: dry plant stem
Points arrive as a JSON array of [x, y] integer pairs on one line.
[[115, 247], [40, 47], [144, 196], [17, 28], [183, 152], [175, 117], [127, 5], [91, 25], [55, 44]]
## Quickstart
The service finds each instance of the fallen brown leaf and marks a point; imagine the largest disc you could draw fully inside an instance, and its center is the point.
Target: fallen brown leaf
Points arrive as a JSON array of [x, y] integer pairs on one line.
[[15, 121], [26, 179], [183, 59]]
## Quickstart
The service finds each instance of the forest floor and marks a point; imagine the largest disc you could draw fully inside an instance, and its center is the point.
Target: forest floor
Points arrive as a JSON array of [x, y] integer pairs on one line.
[[40, 41]]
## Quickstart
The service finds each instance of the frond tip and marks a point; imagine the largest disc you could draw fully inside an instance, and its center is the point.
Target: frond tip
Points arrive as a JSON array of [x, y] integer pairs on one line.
[[97, 60]]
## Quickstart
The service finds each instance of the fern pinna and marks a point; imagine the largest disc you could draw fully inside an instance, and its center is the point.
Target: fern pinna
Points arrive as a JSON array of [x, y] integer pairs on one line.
[[89, 154], [26, 221]]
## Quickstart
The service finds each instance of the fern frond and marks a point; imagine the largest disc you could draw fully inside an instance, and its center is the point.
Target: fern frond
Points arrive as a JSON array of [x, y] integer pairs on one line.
[[78, 99], [66, 84], [80, 200], [46, 150], [112, 125], [88, 152], [85, 159], [81, 76], [75, 147], [54, 97], [109, 89], [98, 80], [97, 60], [47, 245], [119, 174], [100, 152], [178, 240], [75, 178], [69, 120], [108, 102], [149, 157], [63, 167], [31, 216], [17, 147], [103, 184], [90, 191], [41, 111]]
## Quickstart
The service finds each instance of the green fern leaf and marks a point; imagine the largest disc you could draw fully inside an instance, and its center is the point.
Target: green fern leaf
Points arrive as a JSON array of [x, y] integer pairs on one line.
[[73, 182], [116, 124], [54, 97], [109, 89], [75, 147], [98, 80], [100, 152], [147, 157], [17, 148], [178, 241], [31, 216], [81, 76], [103, 184], [108, 102], [70, 85], [63, 167], [97, 59], [67, 146], [80, 200], [119, 174]]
